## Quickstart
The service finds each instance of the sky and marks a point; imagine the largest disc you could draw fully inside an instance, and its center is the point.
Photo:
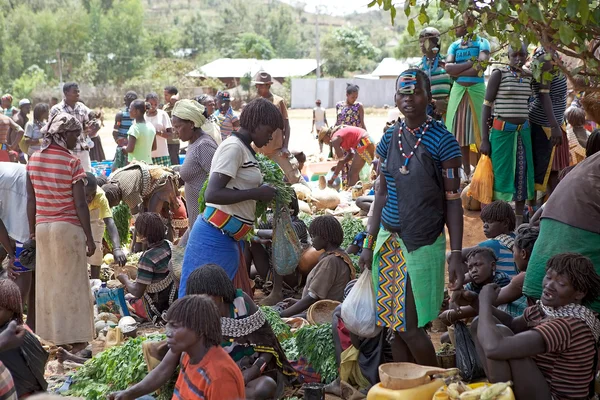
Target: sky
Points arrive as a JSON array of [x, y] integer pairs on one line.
[[333, 7]]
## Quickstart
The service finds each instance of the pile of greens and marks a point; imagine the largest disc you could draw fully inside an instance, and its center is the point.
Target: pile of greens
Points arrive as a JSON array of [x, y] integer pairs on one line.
[[352, 226], [122, 218], [272, 175], [280, 328], [116, 368]]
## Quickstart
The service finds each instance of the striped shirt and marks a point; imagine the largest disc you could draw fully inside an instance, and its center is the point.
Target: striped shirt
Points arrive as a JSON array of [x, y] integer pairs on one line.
[[7, 384], [153, 265], [215, 377], [568, 361], [441, 82], [512, 98], [226, 122], [506, 261], [442, 146], [558, 95], [53, 172]]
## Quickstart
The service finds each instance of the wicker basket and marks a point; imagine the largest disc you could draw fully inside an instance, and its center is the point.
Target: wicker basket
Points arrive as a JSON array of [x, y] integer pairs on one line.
[[321, 312]]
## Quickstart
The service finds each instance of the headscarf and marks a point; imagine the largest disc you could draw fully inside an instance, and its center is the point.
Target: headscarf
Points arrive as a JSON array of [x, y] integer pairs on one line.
[[190, 110], [55, 129]]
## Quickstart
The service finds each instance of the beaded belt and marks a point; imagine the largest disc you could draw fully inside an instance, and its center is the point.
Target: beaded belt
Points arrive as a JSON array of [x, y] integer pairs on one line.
[[228, 224], [507, 126]]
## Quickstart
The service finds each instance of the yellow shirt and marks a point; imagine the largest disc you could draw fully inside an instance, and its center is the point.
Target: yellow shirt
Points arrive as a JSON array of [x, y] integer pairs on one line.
[[100, 203]]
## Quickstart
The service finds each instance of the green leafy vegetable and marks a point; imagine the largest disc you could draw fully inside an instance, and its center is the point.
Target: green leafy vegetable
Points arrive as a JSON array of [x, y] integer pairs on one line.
[[306, 218], [122, 218], [114, 369], [352, 226], [280, 328], [315, 343]]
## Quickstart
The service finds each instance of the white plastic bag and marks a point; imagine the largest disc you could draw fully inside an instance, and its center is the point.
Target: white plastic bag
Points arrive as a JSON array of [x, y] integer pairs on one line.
[[359, 311]]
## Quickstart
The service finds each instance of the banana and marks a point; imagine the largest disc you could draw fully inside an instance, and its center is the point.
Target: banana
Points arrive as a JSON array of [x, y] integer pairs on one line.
[[474, 394], [452, 391], [462, 387], [496, 389]]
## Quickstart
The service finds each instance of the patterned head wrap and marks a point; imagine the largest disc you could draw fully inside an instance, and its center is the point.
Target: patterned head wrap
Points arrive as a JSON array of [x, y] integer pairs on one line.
[[56, 129], [190, 110]]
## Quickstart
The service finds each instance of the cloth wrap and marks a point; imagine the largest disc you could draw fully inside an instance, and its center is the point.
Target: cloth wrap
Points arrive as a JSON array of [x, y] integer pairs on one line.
[[190, 110]]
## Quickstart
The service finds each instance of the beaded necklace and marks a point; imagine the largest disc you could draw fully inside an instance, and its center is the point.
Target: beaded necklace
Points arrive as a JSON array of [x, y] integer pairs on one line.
[[514, 73], [430, 67], [424, 127]]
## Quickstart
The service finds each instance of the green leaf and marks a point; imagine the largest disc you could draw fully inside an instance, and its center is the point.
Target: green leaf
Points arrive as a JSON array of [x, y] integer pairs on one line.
[[423, 18], [572, 6], [463, 5], [535, 13], [440, 14], [371, 4], [596, 15], [393, 14], [411, 27], [566, 34], [523, 17], [407, 8], [584, 11]]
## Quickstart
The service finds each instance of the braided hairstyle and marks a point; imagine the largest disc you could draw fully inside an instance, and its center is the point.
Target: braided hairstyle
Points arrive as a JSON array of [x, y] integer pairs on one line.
[[151, 226], [579, 270], [10, 299], [421, 77], [199, 314], [261, 112], [499, 211], [328, 228], [211, 280], [526, 237], [593, 143]]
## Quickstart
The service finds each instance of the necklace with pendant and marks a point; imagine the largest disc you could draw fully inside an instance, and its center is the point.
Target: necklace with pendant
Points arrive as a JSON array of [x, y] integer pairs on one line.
[[424, 127], [514, 73]]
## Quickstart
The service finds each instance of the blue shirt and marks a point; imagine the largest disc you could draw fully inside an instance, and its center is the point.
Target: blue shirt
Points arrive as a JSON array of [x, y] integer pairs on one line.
[[442, 146], [499, 278], [463, 53], [506, 261]]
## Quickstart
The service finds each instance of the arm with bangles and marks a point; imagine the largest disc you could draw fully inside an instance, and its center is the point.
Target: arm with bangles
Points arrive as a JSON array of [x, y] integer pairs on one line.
[[546, 101]]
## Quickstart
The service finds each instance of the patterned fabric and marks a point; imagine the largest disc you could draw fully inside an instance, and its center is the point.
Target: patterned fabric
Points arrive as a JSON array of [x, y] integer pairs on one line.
[[366, 150], [153, 265], [392, 286], [558, 96], [567, 364], [439, 143], [7, 385], [53, 172], [441, 82], [512, 98], [139, 181], [164, 161], [464, 113], [226, 121], [499, 278], [228, 224], [348, 114], [216, 376], [504, 253], [125, 123], [515, 308], [466, 49], [576, 311], [80, 112], [56, 129], [190, 110]]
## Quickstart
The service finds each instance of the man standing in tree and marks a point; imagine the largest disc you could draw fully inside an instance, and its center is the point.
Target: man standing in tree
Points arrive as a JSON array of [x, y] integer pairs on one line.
[[277, 148]]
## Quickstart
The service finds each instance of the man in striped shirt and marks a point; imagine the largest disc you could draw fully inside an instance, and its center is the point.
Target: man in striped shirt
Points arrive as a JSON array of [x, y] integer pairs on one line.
[[550, 351], [433, 65]]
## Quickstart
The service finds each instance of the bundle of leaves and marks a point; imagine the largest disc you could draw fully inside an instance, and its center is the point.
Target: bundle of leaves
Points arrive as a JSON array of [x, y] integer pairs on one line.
[[116, 368], [352, 226], [122, 218], [315, 344], [272, 175], [280, 328]]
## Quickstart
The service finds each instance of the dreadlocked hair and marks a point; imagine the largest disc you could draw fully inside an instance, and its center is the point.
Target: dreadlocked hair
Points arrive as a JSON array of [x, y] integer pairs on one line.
[[211, 280], [485, 251], [113, 193], [261, 112], [199, 314], [151, 226], [499, 211], [580, 271], [526, 237], [593, 143], [421, 77], [10, 299], [328, 228]]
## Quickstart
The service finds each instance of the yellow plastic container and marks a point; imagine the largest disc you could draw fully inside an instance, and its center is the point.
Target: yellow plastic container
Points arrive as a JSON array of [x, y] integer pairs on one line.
[[423, 392], [506, 395]]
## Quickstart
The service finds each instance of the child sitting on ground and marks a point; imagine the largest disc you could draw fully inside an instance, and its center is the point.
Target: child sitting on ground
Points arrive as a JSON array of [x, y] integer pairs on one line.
[[194, 340], [332, 273], [499, 222], [481, 263], [550, 351]]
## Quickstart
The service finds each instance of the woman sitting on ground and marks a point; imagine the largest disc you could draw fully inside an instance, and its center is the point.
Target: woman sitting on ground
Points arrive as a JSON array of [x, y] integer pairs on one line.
[[27, 362], [550, 351], [155, 288], [330, 276], [351, 145]]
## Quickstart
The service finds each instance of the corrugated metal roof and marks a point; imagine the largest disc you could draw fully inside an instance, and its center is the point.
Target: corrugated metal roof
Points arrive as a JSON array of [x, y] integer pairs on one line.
[[393, 67], [238, 67]]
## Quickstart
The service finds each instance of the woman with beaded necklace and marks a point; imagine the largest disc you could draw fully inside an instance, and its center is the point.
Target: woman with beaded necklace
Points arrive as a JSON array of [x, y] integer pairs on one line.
[[417, 196]]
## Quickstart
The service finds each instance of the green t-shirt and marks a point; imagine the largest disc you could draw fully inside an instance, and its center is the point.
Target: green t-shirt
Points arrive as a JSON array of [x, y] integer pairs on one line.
[[144, 134]]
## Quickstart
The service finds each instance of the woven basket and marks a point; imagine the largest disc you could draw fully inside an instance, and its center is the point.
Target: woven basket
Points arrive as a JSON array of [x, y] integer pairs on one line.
[[129, 269], [321, 312]]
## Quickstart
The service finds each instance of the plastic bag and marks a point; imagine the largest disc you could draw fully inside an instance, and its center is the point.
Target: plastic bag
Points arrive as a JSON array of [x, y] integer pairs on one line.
[[112, 301], [482, 184], [467, 360], [286, 249], [359, 311]]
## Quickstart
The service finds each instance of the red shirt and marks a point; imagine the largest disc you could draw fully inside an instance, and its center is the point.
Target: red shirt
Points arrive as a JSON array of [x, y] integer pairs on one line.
[[350, 135], [53, 172], [215, 377]]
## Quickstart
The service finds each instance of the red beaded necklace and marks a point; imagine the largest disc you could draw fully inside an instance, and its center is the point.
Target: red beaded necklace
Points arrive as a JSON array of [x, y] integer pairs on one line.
[[424, 127]]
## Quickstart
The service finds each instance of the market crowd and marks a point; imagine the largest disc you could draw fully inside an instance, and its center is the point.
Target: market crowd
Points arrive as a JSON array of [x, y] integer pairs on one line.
[[529, 293]]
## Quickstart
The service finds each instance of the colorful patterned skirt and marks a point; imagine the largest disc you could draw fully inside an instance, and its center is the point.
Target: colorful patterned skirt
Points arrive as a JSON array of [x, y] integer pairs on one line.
[[392, 265], [464, 113], [164, 161], [366, 150]]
